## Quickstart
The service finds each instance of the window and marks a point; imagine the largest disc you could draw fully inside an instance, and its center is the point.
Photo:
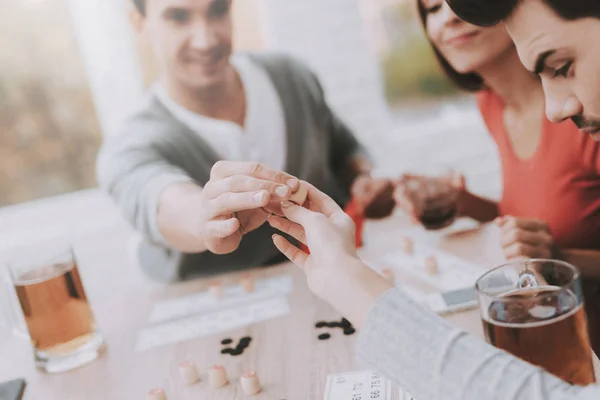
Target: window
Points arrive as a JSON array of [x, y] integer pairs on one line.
[[49, 132], [397, 35]]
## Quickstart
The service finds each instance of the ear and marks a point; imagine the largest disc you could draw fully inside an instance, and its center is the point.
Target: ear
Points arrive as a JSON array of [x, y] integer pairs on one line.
[[137, 21]]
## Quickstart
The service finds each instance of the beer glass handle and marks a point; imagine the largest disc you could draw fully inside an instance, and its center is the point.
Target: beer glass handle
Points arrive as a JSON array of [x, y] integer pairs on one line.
[[11, 317]]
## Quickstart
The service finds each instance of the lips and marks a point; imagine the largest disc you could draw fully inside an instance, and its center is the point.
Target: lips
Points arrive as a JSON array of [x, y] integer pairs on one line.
[[208, 59], [461, 39]]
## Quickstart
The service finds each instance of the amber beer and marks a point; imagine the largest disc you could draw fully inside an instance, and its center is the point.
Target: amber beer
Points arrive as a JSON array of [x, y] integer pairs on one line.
[[550, 333], [534, 309], [52, 301], [55, 307]]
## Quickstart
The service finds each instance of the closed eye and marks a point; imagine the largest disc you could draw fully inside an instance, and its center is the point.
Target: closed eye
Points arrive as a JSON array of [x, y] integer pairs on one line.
[[564, 70], [433, 9]]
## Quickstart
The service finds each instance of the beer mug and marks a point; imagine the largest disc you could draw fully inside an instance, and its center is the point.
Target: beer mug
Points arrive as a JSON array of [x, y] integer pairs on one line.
[[534, 310], [44, 300]]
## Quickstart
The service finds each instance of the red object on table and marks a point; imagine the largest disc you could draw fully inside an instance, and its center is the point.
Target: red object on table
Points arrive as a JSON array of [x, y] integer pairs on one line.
[[355, 212]]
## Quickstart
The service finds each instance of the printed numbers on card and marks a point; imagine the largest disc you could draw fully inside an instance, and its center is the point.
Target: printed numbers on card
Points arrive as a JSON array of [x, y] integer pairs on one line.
[[357, 390], [375, 386]]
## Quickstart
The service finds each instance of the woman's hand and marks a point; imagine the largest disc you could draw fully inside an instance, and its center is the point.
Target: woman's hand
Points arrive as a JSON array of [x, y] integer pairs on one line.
[[525, 237], [333, 269]]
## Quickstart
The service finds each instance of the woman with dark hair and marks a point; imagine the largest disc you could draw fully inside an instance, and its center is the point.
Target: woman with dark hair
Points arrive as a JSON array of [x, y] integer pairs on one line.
[[550, 207]]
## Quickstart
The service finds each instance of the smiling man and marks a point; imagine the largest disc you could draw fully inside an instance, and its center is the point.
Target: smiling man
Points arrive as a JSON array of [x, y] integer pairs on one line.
[[559, 41], [258, 114]]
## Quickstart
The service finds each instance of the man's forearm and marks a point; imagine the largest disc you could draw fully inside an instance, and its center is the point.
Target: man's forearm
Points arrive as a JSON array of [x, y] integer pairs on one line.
[[478, 208], [179, 217]]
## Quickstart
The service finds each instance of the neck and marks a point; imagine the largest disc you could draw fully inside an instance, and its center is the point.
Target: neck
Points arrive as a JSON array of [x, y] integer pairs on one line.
[[507, 77], [218, 101]]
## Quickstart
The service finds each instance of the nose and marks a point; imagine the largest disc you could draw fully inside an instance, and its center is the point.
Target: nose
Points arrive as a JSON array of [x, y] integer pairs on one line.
[[558, 110], [561, 103], [202, 37]]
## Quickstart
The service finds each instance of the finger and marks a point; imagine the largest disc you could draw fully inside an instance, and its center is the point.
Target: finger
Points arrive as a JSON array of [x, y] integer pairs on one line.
[[406, 205], [223, 169], [358, 185], [376, 189], [286, 226], [297, 214], [525, 250], [222, 228], [243, 183], [537, 238], [530, 224], [409, 176], [228, 203], [320, 202], [293, 253]]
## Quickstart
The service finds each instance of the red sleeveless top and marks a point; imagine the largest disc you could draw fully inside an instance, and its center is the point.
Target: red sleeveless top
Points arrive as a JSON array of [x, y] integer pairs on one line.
[[559, 183]]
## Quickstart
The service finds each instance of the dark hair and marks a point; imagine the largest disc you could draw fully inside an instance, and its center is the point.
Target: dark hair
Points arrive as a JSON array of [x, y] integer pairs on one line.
[[491, 12], [140, 5], [471, 82]]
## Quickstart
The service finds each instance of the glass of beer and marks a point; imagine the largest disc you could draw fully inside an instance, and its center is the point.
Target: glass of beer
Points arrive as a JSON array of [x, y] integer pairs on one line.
[[534, 310], [52, 302], [434, 196]]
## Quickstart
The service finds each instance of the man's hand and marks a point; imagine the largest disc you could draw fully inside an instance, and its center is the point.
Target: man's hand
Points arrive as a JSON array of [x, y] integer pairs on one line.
[[232, 202], [525, 238], [374, 196]]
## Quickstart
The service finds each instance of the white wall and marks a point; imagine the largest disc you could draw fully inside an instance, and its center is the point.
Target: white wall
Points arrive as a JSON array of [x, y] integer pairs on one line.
[[110, 57], [331, 37]]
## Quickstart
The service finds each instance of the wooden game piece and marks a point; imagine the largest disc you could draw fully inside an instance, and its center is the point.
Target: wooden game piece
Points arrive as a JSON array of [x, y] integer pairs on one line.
[[388, 274], [217, 376], [301, 194], [189, 372], [431, 265], [216, 289], [247, 283], [250, 383], [407, 245], [156, 394]]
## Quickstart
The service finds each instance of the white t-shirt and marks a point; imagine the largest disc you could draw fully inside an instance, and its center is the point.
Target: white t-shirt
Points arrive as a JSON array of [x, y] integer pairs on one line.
[[263, 137]]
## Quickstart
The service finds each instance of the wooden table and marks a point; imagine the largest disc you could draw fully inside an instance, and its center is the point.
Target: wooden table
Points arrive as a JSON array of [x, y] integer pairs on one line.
[[291, 363]]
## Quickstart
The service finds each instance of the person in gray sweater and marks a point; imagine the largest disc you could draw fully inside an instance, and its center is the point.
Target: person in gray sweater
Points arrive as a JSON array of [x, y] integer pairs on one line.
[[195, 169], [404, 341]]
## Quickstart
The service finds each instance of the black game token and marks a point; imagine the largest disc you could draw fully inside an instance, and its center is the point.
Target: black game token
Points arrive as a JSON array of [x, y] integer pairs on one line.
[[236, 352], [245, 340], [226, 341], [324, 336]]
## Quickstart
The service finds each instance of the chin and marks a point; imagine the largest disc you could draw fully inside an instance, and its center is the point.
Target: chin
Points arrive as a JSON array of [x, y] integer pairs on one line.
[[204, 80], [207, 82]]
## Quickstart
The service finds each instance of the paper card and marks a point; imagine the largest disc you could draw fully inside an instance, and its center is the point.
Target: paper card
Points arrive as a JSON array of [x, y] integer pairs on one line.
[[233, 296], [453, 272], [359, 385], [212, 323]]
